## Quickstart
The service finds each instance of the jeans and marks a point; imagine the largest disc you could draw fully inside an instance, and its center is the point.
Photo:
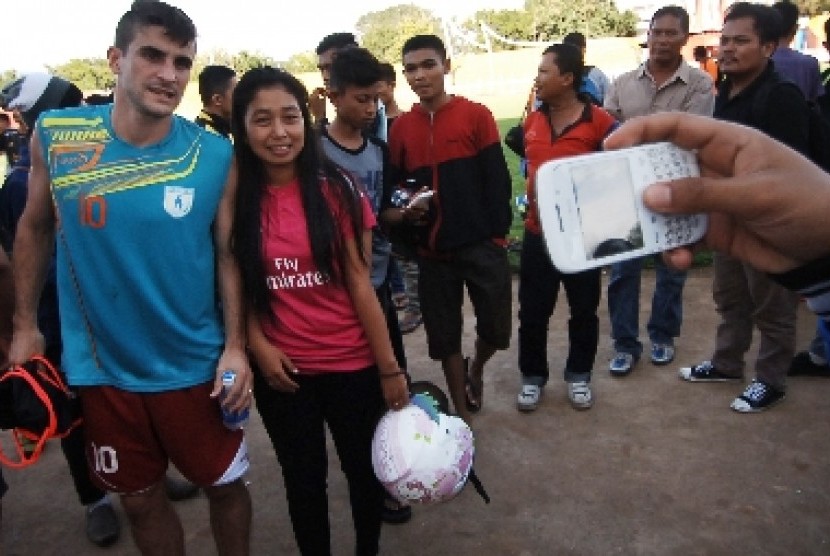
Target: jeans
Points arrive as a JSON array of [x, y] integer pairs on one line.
[[624, 305], [351, 404], [538, 289]]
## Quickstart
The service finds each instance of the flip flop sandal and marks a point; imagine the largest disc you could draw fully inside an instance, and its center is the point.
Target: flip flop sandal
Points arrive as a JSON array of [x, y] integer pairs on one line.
[[473, 391]]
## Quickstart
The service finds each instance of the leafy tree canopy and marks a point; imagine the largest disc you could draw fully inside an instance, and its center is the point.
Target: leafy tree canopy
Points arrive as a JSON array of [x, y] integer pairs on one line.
[[812, 7], [302, 62], [384, 32]]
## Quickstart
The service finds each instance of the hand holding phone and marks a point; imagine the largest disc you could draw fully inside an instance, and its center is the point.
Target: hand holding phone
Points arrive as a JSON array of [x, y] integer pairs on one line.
[[592, 212]]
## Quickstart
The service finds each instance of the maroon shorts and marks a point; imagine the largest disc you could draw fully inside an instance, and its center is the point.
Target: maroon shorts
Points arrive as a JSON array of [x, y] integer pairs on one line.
[[131, 436]]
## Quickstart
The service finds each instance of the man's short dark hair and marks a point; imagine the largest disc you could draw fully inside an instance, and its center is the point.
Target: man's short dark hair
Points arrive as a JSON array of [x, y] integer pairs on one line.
[[700, 52], [336, 41], [789, 17], [5, 118], [355, 67], [97, 99], [148, 13], [576, 39], [568, 58], [214, 80], [419, 42], [387, 72], [675, 11], [766, 22]]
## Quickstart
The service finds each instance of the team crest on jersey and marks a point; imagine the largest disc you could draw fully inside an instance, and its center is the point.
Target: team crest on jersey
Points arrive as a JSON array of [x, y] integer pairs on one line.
[[178, 200]]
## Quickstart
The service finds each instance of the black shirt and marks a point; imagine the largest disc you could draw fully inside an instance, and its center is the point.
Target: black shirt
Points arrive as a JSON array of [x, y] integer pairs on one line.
[[214, 123], [784, 116]]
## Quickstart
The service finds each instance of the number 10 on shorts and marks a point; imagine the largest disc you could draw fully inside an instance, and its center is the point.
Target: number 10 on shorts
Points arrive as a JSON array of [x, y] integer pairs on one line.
[[106, 460]]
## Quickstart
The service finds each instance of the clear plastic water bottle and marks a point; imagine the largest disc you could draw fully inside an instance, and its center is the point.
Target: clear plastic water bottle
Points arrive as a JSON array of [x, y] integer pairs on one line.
[[232, 419]]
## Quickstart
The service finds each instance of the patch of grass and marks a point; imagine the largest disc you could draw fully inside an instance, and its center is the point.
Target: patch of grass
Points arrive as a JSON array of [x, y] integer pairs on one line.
[[516, 229]]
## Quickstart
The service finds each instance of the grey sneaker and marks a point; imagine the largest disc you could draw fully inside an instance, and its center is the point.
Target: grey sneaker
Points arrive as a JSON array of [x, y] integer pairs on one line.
[[757, 397], [102, 525], [580, 395], [528, 399], [621, 363], [662, 354]]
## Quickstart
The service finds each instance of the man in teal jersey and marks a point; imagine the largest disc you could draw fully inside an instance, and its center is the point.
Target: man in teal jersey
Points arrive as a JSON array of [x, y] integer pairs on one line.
[[145, 201]]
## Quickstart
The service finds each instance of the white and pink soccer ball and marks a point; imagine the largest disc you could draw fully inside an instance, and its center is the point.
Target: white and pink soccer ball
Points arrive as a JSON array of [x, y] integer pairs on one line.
[[422, 455]]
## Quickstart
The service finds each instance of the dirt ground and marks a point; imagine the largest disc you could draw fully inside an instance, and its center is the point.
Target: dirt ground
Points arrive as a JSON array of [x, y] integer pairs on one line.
[[657, 466]]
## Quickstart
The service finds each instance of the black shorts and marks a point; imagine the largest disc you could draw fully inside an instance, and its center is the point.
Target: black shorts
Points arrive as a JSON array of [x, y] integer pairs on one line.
[[485, 270]]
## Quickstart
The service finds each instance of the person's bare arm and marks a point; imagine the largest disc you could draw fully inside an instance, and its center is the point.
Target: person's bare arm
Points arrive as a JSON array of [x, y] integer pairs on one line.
[[767, 204], [31, 253], [230, 291], [392, 379], [274, 365]]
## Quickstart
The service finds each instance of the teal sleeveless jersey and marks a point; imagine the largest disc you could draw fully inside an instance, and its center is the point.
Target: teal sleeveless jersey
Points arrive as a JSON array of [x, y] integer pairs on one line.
[[135, 252]]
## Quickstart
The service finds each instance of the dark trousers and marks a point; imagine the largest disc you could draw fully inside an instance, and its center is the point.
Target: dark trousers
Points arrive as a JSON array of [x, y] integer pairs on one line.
[[351, 405], [384, 293], [73, 447], [539, 284]]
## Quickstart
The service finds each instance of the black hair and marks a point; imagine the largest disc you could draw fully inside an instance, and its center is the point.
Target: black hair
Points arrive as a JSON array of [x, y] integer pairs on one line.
[[826, 28], [314, 172], [418, 42], [354, 67], [700, 51], [335, 41], [765, 21], [5, 117], [568, 58], [576, 39], [387, 72], [147, 13], [675, 11], [96, 99], [789, 17], [214, 80]]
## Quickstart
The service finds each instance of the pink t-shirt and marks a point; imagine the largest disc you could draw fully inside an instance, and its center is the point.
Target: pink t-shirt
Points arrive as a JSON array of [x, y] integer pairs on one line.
[[316, 324]]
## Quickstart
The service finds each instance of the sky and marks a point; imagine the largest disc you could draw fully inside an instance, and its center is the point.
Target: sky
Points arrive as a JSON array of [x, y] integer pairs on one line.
[[85, 28]]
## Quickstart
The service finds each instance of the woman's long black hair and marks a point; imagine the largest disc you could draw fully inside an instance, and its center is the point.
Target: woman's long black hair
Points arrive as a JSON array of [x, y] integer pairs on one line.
[[314, 171]]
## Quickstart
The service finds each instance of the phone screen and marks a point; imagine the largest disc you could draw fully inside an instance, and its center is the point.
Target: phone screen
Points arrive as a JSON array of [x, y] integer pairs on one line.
[[605, 202]]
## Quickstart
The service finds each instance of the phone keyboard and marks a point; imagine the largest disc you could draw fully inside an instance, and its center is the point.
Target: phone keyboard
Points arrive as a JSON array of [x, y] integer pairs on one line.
[[670, 164]]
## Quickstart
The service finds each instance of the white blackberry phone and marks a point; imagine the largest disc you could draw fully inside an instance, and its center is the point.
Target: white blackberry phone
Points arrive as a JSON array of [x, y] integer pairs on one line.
[[591, 207]]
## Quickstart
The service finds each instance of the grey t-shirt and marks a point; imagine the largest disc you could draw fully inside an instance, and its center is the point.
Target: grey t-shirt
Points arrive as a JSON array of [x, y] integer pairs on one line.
[[368, 164]]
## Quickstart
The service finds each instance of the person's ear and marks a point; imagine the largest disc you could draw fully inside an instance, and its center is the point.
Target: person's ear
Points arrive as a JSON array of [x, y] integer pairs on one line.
[[334, 96], [447, 66], [113, 59]]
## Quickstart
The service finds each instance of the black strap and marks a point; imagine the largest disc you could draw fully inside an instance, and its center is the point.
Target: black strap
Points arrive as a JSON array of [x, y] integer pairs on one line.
[[473, 478]]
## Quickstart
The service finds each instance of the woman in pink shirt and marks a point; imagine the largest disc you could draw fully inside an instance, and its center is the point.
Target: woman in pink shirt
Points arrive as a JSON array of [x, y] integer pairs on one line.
[[317, 337]]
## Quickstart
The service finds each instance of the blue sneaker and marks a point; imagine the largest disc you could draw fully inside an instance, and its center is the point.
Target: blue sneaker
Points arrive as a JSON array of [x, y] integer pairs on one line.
[[662, 354], [622, 363]]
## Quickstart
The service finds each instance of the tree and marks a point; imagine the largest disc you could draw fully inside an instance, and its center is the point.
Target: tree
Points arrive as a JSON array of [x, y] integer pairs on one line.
[[302, 62], [88, 74], [216, 57], [553, 19], [245, 60], [7, 76], [384, 32], [512, 24], [812, 7]]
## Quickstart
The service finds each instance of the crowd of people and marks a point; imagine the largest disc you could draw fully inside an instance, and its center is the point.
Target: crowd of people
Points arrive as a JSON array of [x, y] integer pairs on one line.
[[278, 241]]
